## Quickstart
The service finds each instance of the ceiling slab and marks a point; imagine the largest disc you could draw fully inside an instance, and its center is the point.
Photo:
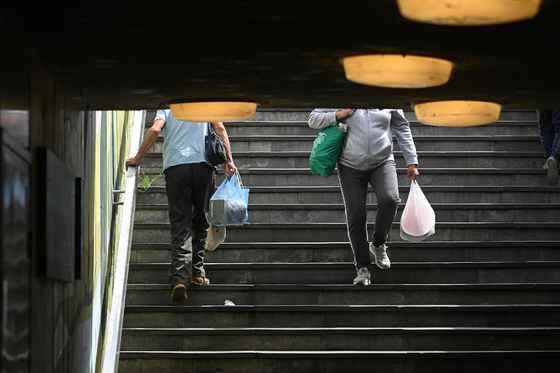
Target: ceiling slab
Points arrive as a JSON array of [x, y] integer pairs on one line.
[[280, 54]]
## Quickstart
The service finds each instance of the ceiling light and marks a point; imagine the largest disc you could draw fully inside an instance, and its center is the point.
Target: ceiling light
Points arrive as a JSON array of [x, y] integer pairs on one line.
[[219, 111], [397, 71], [468, 12], [457, 113]]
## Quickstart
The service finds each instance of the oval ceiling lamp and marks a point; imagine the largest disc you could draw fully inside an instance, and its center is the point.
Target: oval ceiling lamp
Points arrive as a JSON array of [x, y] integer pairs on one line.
[[397, 70], [468, 12], [457, 113], [213, 111]]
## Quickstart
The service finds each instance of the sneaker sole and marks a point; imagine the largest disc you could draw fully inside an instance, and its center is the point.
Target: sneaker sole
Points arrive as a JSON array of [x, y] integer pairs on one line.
[[389, 266], [363, 284], [552, 175], [179, 294]]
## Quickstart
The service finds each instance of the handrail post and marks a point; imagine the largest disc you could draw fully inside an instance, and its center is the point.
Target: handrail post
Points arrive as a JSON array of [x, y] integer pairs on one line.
[[116, 312]]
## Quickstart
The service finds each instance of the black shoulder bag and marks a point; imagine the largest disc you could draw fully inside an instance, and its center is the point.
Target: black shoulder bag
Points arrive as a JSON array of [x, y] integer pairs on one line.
[[215, 150]]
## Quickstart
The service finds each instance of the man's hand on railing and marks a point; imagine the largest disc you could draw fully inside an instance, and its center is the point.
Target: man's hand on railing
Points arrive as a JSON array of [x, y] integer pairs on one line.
[[132, 162]]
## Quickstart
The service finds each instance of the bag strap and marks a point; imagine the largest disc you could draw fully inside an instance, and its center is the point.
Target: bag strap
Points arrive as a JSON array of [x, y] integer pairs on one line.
[[237, 182], [239, 178]]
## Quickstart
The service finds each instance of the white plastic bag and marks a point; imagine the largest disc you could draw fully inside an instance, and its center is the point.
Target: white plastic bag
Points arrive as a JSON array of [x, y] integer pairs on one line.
[[216, 236], [418, 220], [228, 205]]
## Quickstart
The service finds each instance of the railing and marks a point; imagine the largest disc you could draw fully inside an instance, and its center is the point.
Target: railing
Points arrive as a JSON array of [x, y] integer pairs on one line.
[[116, 312]]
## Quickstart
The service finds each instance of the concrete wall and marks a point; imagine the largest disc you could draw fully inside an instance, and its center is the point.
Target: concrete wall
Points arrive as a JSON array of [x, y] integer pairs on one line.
[[50, 325]]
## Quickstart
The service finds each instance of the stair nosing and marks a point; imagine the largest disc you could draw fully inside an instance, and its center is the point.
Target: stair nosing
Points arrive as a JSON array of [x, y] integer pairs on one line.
[[397, 244], [340, 206], [441, 225], [277, 331], [345, 308], [264, 354], [350, 287], [347, 265]]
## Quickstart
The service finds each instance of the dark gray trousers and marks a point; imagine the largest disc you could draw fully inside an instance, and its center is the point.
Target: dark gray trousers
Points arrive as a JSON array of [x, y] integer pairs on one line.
[[354, 187], [189, 188]]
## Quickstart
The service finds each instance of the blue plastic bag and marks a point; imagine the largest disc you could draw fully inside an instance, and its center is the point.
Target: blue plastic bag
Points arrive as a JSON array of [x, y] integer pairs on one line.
[[228, 205]]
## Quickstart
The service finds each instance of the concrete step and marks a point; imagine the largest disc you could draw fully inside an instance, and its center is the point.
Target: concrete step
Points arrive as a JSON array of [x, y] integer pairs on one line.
[[341, 338], [303, 213], [344, 273], [278, 316], [434, 194], [277, 143], [280, 128], [245, 160], [346, 294], [290, 115], [320, 251], [428, 176], [336, 232], [339, 361]]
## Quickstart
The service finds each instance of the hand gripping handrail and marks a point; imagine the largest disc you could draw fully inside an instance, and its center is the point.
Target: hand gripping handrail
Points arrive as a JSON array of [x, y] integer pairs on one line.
[[116, 312]]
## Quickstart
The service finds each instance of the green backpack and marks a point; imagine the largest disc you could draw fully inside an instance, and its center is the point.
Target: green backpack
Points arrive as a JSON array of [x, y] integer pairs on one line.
[[326, 149]]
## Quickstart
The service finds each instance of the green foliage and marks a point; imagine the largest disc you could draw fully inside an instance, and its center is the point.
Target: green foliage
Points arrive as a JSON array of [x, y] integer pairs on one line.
[[145, 181]]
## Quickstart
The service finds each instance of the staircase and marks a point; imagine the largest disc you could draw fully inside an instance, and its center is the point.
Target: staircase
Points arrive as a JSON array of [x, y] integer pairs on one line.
[[481, 295]]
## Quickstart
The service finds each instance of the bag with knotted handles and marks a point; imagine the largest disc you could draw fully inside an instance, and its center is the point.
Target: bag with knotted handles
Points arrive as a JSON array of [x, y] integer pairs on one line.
[[418, 220]]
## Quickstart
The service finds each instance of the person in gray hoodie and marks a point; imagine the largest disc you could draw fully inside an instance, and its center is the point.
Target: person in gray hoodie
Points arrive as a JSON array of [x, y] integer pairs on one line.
[[367, 157]]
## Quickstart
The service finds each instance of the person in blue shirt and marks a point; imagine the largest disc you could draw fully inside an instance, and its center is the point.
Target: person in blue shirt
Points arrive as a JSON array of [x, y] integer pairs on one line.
[[189, 179]]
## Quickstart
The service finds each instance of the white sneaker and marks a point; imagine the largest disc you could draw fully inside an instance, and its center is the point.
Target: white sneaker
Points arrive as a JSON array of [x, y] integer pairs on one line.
[[552, 175], [363, 278], [380, 254]]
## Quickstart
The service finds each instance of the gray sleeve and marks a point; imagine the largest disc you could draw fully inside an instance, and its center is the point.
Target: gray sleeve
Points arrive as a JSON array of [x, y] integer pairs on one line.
[[322, 118], [401, 128]]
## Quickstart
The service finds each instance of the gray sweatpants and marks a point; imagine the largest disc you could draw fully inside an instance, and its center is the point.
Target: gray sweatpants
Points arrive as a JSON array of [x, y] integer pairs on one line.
[[354, 187]]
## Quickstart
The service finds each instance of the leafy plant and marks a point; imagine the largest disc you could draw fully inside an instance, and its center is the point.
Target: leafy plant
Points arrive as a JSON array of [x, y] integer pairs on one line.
[[145, 181]]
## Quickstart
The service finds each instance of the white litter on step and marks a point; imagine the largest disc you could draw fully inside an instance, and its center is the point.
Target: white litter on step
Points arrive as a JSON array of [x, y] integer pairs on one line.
[[229, 303]]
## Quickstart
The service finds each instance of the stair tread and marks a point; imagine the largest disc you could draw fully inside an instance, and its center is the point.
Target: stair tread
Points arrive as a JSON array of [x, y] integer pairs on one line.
[[347, 308], [346, 287], [344, 330], [469, 224], [346, 265], [452, 245], [421, 153], [456, 170], [255, 354], [340, 206], [425, 188], [417, 138], [304, 123]]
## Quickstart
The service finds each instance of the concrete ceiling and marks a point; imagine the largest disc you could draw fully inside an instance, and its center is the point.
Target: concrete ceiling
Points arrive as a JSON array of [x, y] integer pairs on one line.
[[279, 53]]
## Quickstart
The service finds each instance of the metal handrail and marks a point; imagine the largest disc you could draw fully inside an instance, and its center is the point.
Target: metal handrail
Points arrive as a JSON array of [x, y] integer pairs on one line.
[[116, 312]]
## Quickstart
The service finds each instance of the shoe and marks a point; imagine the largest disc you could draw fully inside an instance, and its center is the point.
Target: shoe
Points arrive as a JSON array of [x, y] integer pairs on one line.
[[380, 254], [179, 293], [552, 175], [200, 281], [363, 278]]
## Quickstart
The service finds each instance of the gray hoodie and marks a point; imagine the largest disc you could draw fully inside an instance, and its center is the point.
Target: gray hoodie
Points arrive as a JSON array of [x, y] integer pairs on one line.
[[368, 141]]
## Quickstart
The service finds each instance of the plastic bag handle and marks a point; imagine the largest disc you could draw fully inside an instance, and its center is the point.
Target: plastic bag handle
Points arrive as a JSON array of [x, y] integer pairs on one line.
[[238, 181]]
